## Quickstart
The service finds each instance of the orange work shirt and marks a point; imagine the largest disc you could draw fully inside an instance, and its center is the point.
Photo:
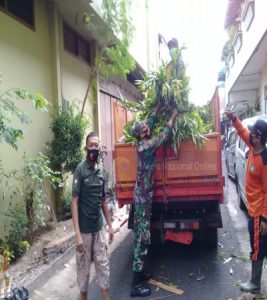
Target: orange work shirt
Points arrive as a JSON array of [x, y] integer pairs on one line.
[[256, 175]]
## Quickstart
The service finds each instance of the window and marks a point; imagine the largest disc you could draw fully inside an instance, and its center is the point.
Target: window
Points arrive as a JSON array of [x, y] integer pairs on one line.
[[242, 145], [238, 42], [249, 12], [76, 44], [231, 59], [232, 139], [21, 9]]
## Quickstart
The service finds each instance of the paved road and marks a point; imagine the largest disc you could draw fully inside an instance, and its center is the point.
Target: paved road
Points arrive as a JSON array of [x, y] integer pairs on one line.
[[202, 274]]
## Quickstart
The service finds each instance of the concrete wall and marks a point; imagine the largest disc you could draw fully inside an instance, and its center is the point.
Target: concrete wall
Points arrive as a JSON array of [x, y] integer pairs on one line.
[[250, 96], [26, 63], [75, 75], [35, 60]]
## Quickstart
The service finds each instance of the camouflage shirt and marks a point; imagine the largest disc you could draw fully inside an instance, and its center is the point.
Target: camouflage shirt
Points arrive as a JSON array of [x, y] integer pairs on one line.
[[146, 162]]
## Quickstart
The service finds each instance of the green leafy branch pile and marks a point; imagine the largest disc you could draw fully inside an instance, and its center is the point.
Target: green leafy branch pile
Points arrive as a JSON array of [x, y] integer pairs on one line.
[[168, 87]]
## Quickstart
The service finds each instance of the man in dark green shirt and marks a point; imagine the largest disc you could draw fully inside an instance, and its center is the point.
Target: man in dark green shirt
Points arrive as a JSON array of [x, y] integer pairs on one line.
[[88, 200]]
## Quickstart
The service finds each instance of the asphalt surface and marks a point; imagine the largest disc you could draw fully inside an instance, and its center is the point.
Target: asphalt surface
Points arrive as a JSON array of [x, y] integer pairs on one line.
[[200, 273]]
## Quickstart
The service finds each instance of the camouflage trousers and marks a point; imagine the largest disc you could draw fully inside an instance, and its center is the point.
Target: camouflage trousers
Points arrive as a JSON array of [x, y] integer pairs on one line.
[[142, 213], [95, 249]]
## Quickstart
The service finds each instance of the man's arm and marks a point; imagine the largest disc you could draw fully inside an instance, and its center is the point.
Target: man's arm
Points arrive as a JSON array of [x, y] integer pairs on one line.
[[153, 118], [75, 220], [107, 217], [158, 140], [241, 130], [264, 190], [76, 189]]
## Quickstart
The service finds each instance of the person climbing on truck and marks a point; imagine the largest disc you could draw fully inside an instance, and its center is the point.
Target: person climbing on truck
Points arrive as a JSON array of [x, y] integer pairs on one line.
[[146, 161]]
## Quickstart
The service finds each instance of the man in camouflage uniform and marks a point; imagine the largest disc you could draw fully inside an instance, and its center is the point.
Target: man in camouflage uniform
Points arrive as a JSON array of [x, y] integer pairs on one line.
[[146, 162]]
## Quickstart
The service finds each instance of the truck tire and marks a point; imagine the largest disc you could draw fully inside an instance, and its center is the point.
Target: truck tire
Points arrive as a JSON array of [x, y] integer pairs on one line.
[[212, 238]]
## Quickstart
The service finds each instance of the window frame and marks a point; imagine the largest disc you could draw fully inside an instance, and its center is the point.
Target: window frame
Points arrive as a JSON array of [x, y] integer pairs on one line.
[[78, 37], [17, 18], [242, 145], [232, 139]]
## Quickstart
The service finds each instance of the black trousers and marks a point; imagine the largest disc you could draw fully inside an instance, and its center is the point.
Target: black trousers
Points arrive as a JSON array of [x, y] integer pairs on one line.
[[258, 242]]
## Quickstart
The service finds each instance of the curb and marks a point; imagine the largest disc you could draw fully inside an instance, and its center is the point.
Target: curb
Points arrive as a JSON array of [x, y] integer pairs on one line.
[[56, 264]]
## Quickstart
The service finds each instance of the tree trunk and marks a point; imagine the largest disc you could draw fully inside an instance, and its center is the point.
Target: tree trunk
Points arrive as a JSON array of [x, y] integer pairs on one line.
[[30, 216], [59, 203]]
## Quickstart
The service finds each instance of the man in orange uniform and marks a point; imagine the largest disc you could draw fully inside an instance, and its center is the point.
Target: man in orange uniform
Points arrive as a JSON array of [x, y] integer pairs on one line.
[[256, 191]]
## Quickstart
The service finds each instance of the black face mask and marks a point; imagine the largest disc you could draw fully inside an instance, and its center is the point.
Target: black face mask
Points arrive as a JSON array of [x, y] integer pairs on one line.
[[92, 155]]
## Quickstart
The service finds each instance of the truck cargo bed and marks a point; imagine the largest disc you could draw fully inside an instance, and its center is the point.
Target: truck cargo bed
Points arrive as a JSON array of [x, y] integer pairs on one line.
[[194, 174]]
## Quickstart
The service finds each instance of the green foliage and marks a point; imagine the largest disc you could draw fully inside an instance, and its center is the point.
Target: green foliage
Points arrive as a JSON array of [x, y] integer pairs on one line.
[[66, 201], [168, 88], [33, 177], [9, 111], [113, 57], [36, 172], [169, 85], [205, 113], [69, 130], [110, 184], [116, 61], [15, 241], [28, 184]]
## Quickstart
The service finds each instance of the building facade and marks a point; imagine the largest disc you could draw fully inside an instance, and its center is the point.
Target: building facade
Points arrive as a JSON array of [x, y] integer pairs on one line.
[[46, 47], [246, 57]]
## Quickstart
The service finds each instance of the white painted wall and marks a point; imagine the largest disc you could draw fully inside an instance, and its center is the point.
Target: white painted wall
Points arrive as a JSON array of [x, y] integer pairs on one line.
[[250, 40], [250, 96], [263, 84]]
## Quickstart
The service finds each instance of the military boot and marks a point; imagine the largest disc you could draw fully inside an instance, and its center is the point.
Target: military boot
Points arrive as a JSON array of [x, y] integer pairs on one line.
[[254, 284], [138, 289]]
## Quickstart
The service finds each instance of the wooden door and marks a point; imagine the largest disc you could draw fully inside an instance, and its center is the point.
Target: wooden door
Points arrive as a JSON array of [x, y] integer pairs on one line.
[[113, 117]]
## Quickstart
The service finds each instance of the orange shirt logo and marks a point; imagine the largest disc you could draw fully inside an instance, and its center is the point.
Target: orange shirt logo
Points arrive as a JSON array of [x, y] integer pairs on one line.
[[252, 168]]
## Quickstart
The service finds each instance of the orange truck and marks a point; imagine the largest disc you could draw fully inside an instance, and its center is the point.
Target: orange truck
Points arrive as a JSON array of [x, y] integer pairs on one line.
[[187, 193]]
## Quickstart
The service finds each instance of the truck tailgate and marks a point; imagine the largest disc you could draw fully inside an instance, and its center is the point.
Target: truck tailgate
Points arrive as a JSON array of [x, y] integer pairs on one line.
[[194, 174]]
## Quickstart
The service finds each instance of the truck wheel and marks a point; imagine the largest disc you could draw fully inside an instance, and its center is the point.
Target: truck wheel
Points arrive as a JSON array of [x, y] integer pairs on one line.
[[212, 238], [239, 198]]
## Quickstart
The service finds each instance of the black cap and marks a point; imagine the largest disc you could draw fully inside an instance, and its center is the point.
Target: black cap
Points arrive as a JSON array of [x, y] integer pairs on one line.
[[173, 43], [260, 127]]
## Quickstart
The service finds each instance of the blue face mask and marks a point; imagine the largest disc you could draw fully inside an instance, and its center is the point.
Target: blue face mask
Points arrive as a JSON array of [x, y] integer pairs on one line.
[[174, 53]]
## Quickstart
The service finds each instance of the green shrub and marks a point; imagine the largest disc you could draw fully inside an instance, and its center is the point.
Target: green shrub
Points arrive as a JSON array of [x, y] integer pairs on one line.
[[15, 239]]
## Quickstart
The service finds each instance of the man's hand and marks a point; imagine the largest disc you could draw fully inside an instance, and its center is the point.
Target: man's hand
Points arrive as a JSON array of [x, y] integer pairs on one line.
[[172, 118], [263, 228], [174, 114], [111, 234], [230, 114], [79, 243]]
